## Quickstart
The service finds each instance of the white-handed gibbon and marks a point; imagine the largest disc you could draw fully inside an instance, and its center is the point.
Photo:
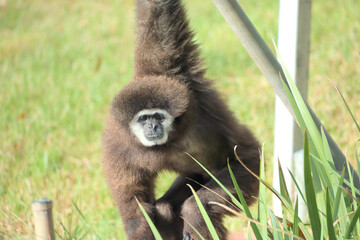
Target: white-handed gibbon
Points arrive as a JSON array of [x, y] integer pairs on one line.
[[166, 110]]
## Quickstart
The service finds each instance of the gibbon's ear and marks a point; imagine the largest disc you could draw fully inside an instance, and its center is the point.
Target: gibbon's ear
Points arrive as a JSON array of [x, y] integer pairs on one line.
[[149, 92]]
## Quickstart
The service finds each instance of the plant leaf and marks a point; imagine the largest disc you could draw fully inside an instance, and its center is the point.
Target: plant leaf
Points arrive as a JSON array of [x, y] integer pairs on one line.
[[150, 222], [217, 181], [262, 211], [195, 230], [206, 217], [352, 224], [329, 218], [283, 188], [296, 218], [275, 223], [310, 192], [347, 106], [338, 194], [245, 207]]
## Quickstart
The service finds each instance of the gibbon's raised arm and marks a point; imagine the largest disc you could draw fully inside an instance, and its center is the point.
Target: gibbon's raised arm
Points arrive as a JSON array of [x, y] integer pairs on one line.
[[164, 43]]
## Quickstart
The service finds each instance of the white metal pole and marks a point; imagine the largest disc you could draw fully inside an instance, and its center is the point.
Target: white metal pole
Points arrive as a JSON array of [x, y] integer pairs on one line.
[[294, 48]]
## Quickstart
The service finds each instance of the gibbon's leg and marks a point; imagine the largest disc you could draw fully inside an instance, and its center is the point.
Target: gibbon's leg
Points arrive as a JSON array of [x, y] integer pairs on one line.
[[190, 211], [168, 207], [136, 226]]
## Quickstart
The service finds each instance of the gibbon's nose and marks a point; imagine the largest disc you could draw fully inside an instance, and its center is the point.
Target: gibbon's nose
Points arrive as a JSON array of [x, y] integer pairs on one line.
[[152, 125]]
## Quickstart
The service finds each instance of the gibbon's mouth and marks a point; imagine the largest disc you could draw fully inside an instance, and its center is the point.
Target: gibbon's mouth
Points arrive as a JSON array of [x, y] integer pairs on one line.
[[154, 137]]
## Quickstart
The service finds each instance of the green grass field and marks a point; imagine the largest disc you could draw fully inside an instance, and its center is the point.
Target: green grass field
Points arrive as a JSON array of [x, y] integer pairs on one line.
[[61, 62]]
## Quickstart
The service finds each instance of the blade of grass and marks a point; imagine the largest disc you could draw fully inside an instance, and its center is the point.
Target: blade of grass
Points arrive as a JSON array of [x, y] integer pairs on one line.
[[254, 221], [262, 211], [283, 200], [332, 171], [305, 120], [328, 155], [296, 219], [329, 218], [318, 184], [303, 116], [206, 217], [347, 106], [217, 181], [150, 222], [310, 192], [338, 194], [352, 224], [195, 230], [353, 190], [285, 223], [285, 203], [87, 223], [240, 207], [300, 191], [243, 202], [284, 192], [275, 223], [283, 188], [352, 186], [330, 162], [357, 160]]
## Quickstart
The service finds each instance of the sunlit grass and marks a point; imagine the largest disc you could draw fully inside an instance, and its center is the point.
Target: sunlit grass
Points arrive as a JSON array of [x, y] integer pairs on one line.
[[61, 62]]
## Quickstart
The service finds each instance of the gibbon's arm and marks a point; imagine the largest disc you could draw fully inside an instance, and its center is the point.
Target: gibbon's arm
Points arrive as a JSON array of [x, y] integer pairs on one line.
[[127, 184], [164, 43], [136, 226]]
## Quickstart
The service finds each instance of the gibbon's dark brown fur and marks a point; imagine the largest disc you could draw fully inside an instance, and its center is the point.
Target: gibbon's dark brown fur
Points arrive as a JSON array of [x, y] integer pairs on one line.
[[169, 76]]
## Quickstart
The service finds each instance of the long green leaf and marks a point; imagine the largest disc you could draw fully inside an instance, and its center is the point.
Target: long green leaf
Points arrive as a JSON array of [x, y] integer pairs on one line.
[[150, 222], [353, 190], [300, 191], [233, 198], [327, 149], [332, 172], [338, 194], [262, 211], [329, 161], [275, 223], [284, 192], [347, 106], [283, 189], [329, 218], [195, 230], [352, 224], [296, 218], [83, 217], [244, 204], [206, 217], [357, 160], [305, 116], [352, 186], [310, 192], [287, 206]]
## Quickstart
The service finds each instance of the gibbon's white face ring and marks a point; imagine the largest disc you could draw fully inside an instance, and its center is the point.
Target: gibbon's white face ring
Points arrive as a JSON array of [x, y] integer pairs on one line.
[[138, 130]]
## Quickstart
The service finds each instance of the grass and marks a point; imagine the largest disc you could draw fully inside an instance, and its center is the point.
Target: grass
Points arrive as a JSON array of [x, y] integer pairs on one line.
[[61, 62]]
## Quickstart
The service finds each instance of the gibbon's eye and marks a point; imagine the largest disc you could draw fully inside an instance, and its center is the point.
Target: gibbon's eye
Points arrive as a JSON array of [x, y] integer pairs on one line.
[[159, 116], [142, 118]]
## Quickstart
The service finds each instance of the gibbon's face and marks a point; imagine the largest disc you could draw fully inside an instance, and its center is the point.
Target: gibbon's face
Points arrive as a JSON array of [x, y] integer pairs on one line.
[[152, 126]]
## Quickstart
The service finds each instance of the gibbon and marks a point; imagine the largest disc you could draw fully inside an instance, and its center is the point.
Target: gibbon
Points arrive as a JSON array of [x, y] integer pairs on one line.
[[168, 109]]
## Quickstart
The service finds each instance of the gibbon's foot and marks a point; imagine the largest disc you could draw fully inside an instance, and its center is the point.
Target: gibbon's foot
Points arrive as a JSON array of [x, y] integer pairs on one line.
[[186, 236]]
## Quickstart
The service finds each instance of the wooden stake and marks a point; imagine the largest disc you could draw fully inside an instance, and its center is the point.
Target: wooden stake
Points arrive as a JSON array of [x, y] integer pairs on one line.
[[43, 219]]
